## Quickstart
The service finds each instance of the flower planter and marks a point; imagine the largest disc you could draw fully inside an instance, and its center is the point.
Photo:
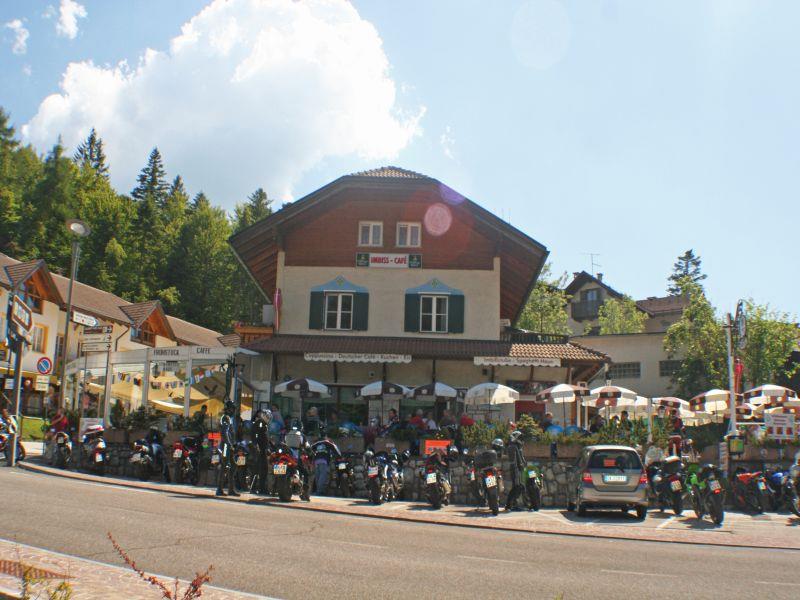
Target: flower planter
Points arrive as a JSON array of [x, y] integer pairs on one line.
[[386, 443], [350, 444], [569, 451], [536, 450]]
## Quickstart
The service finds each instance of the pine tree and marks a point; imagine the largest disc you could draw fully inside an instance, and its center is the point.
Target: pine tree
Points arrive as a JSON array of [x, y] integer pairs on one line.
[[9, 200], [686, 268], [152, 180], [247, 297], [90, 153]]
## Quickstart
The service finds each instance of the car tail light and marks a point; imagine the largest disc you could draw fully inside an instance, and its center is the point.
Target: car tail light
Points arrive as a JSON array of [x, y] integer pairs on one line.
[[587, 477], [643, 478]]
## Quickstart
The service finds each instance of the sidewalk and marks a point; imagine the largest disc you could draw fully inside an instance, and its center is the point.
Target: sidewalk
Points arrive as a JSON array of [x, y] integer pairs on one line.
[[763, 531], [88, 579]]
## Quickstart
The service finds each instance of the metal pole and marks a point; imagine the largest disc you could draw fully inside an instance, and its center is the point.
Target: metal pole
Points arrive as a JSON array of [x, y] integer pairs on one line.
[[731, 383], [76, 251], [20, 345]]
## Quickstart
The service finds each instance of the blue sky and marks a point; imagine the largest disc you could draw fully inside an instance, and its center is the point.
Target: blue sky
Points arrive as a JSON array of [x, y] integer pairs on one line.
[[634, 130]]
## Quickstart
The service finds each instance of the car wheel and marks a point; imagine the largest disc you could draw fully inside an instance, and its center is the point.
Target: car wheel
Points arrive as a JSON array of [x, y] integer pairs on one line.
[[641, 512], [581, 509]]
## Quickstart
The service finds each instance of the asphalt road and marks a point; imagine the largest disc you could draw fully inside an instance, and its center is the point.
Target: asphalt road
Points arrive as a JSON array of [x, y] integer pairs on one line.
[[287, 553]]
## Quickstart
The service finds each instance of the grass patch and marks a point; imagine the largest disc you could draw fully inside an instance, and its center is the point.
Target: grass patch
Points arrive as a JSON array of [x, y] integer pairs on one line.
[[32, 429]]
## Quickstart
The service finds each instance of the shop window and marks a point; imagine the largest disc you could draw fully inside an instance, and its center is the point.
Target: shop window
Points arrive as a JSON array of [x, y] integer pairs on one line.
[[143, 335], [668, 368], [626, 370], [39, 339], [370, 233], [433, 314], [59, 352], [408, 235], [339, 311]]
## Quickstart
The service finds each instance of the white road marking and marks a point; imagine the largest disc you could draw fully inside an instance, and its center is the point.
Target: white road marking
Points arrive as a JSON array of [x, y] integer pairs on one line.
[[777, 583], [665, 523], [514, 562], [559, 520], [636, 573], [353, 543]]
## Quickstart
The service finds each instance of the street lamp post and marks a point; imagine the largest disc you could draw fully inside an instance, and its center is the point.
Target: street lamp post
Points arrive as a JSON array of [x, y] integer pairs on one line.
[[80, 230]]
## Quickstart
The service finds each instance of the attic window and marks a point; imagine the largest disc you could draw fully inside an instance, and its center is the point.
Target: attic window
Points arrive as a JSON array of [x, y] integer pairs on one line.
[[143, 335]]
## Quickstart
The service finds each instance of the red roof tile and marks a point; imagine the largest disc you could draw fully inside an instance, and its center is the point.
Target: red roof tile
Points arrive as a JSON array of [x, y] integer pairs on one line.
[[390, 173]]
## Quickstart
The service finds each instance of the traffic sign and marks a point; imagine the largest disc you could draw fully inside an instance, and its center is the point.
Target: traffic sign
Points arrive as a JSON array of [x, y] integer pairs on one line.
[[44, 365], [42, 383], [102, 329], [96, 347], [82, 319], [21, 315], [740, 324]]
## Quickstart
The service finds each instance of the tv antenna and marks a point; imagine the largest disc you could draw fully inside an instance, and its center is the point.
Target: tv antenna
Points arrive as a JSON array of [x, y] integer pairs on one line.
[[594, 264]]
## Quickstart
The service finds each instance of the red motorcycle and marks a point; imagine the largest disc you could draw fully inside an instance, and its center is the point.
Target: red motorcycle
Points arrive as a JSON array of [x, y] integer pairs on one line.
[[291, 473], [749, 490], [186, 456]]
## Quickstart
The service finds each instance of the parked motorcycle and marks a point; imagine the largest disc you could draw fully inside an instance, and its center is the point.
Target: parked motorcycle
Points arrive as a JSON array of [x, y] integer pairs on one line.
[[62, 450], [783, 488], [291, 473], [707, 493], [533, 485], [475, 488], [668, 483], [436, 476], [489, 478], [749, 491], [376, 470], [8, 430], [242, 475], [396, 480], [146, 460], [186, 459], [94, 449], [345, 477]]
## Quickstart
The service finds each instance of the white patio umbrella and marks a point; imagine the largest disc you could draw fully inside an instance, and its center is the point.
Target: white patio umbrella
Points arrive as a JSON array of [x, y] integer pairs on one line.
[[774, 395], [382, 389], [563, 394], [435, 389], [712, 402], [303, 388], [490, 393], [610, 395]]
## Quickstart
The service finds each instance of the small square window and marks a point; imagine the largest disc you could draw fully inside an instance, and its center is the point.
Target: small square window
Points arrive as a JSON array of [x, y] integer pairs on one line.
[[370, 233], [408, 235], [627, 370], [433, 314]]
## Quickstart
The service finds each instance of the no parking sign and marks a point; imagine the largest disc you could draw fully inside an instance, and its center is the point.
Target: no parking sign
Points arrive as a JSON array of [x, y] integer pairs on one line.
[[44, 365]]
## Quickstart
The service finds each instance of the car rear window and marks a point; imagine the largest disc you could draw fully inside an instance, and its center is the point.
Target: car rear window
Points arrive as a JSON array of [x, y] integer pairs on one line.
[[615, 459]]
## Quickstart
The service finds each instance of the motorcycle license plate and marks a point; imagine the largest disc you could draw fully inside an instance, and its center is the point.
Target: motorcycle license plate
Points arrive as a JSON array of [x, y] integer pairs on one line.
[[62, 442], [532, 474], [215, 459], [762, 486], [491, 481], [372, 471], [342, 467], [279, 469], [241, 461], [714, 485], [431, 478], [177, 454], [615, 479], [675, 486], [98, 458]]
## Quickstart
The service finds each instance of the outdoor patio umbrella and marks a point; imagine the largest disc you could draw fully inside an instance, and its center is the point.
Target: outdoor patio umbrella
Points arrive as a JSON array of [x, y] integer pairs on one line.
[[610, 395], [434, 389], [770, 394], [712, 402], [563, 394], [303, 388], [381, 391], [491, 393], [671, 402]]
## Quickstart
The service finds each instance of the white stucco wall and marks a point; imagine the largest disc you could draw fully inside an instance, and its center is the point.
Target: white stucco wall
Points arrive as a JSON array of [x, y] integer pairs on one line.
[[387, 298]]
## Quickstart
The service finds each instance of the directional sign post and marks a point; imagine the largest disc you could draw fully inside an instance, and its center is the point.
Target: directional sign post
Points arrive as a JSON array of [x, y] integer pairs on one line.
[[21, 315], [82, 319], [97, 339]]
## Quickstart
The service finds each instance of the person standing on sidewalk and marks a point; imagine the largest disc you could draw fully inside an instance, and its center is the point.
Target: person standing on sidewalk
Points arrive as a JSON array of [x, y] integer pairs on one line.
[[517, 465], [263, 447], [227, 430]]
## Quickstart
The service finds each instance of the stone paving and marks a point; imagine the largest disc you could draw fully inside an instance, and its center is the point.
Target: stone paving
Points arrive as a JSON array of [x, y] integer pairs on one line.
[[762, 531], [87, 579]]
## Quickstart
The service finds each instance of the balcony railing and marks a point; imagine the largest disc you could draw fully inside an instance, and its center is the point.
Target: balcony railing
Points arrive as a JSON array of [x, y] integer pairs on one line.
[[587, 309], [529, 337]]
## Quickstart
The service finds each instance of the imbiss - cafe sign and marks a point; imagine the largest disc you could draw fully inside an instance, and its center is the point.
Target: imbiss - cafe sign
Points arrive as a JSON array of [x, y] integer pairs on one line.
[[388, 261]]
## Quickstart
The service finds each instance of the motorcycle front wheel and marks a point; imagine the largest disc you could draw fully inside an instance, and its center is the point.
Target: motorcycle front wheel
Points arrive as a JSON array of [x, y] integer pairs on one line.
[[493, 499]]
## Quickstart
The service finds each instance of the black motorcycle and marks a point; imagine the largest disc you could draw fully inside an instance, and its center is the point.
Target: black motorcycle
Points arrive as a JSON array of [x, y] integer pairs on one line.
[[62, 450], [489, 478], [668, 483], [146, 460], [345, 477], [707, 493], [376, 467], [241, 459], [475, 487], [783, 488], [436, 477], [186, 460]]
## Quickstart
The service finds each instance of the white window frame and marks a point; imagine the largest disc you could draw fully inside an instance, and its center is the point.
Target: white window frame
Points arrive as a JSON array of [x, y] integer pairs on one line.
[[436, 301], [372, 243], [408, 225], [339, 312], [43, 348]]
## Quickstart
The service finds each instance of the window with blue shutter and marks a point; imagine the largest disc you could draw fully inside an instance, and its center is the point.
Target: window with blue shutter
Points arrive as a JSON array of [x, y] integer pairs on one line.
[[339, 306], [434, 308]]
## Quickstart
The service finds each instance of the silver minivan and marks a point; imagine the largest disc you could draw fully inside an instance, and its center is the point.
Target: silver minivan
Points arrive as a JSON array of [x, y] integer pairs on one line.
[[608, 477]]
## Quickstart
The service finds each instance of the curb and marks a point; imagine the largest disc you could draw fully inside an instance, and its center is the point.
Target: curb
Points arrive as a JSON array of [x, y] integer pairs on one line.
[[330, 509]]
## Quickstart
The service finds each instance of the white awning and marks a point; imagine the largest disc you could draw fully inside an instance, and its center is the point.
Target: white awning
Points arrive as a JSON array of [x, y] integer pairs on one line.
[[514, 361], [356, 358]]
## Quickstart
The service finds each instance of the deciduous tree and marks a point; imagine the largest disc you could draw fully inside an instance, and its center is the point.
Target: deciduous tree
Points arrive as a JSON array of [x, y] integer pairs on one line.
[[546, 308], [621, 316]]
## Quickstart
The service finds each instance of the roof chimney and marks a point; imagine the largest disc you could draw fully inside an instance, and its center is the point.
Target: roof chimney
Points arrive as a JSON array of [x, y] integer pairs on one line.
[[599, 277]]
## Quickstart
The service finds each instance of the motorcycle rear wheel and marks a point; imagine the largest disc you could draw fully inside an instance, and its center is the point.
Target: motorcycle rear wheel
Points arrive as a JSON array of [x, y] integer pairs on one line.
[[375, 495], [677, 503], [178, 476], [534, 496], [434, 497], [716, 510], [283, 488], [793, 500], [494, 500], [697, 504], [144, 471]]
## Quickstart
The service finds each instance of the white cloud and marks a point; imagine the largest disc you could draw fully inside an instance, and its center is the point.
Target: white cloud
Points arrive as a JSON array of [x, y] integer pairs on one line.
[[251, 93], [447, 142], [21, 35], [27, 70], [69, 11]]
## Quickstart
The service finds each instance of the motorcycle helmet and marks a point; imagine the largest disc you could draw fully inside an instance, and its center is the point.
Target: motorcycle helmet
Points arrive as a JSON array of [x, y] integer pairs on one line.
[[453, 451], [498, 445], [230, 407], [515, 437], [297, 424], [406, 455]]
